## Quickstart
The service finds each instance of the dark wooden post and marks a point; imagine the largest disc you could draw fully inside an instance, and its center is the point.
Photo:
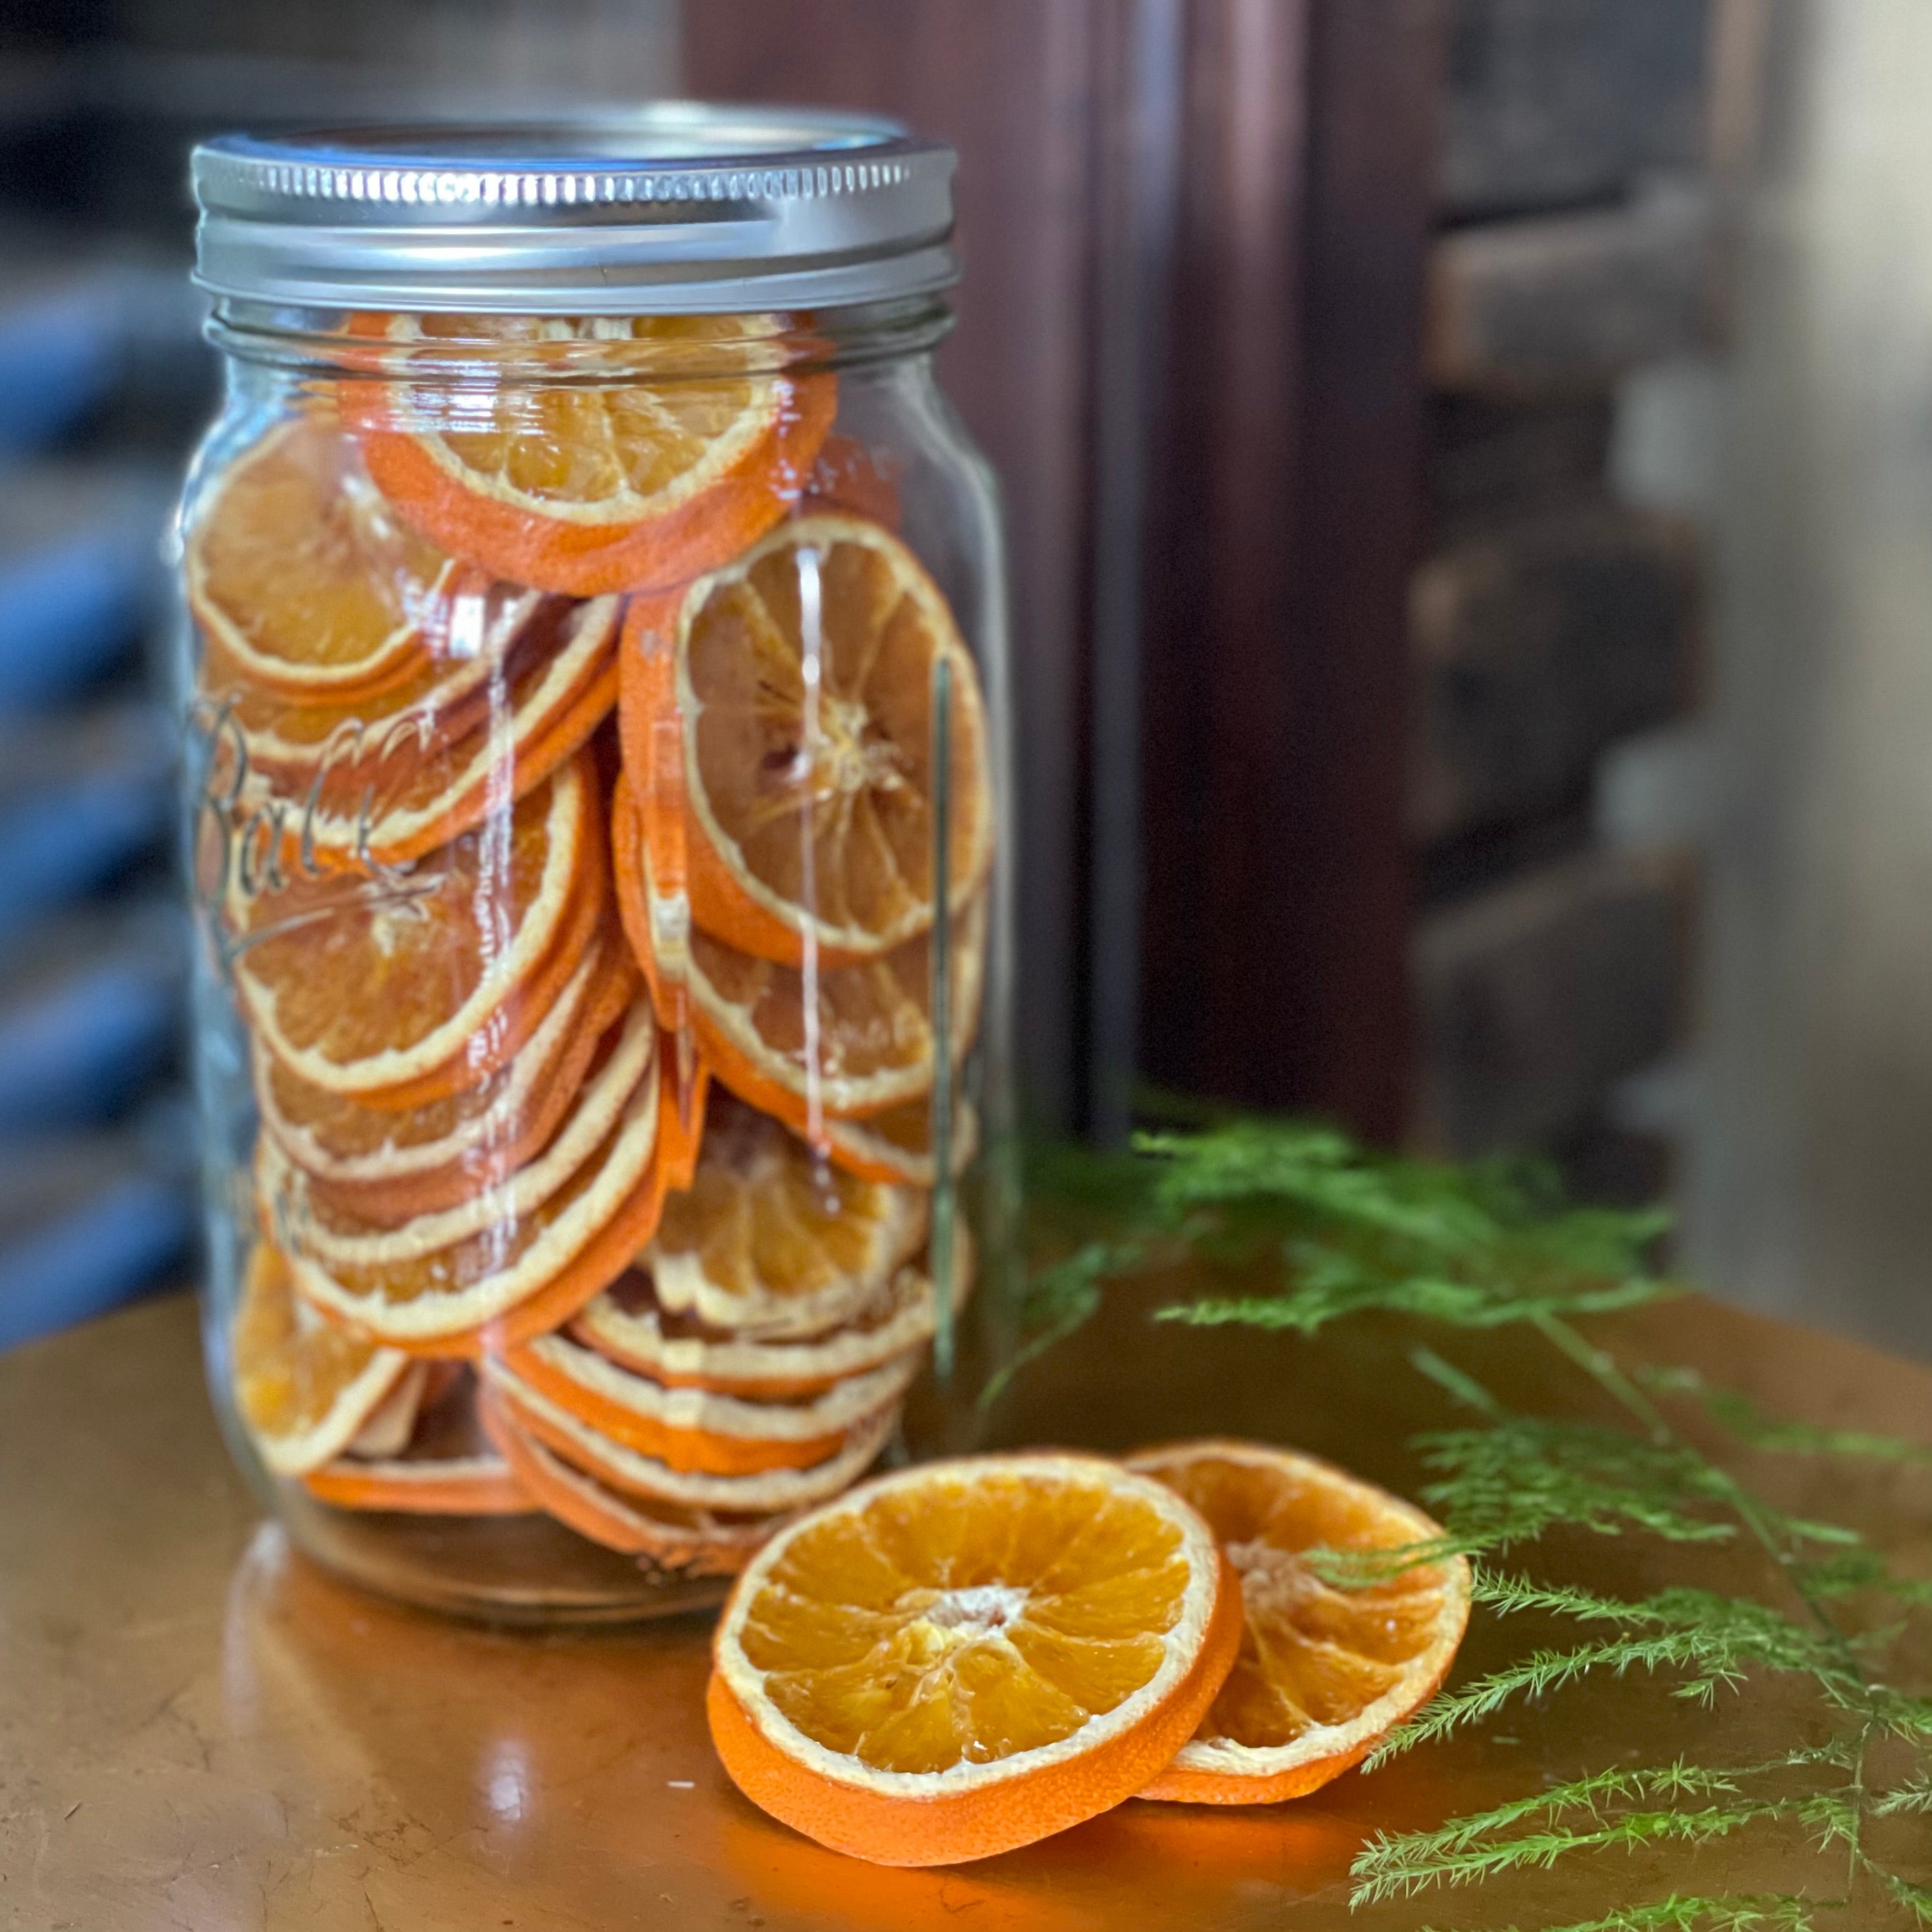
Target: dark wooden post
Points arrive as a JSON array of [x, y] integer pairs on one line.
[[1194, 234]]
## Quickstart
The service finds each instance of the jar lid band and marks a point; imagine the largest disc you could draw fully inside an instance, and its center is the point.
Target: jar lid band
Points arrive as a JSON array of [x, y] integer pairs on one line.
[[678, 207]]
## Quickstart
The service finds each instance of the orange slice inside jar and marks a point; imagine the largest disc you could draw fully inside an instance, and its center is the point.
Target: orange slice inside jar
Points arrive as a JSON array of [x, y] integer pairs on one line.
[[393, 990], [304, 1390], [518, 1277], [680, 1540], [677, 444], [389, 1166], [864, 1042], [304, 579], [795, 691]]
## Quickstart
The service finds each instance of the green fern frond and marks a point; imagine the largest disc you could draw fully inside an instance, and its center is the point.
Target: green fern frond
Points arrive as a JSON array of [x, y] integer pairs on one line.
[[1338, 1232], [1914, 1796], [1916, 1899], [1390, 1867], [1715, 1641], [1751, 1425], [1329, 1288], [1847, 1572], [1724, 1912], [1509, 1483], [1058, 1301]]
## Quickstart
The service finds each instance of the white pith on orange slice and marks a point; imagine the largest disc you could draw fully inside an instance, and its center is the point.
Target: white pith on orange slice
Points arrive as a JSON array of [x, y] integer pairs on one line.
[[770, 1239], [340, 1240], [628, 1324], [693, 1428], [443, 1465], [754, 1492], [897, 1144], [667, 1536], [383, 780], [795, 690], [392, 990], [517, 1279], [390, 1165], [1324, 1673], [691, 445], [965, 1657], [304, 1390]]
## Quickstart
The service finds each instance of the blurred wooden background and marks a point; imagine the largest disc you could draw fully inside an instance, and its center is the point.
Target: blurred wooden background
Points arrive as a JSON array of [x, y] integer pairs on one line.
[[1336, 356]]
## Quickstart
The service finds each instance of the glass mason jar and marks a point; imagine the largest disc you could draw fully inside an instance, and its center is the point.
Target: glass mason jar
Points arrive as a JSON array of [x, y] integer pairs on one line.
[[600, 837]]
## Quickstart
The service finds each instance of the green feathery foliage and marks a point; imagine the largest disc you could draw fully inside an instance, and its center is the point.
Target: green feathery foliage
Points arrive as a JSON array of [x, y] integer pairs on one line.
[[1337, 1232]]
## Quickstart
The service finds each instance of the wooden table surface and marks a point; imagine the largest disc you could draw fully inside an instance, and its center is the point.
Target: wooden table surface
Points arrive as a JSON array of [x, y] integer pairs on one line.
[[199, 1730]]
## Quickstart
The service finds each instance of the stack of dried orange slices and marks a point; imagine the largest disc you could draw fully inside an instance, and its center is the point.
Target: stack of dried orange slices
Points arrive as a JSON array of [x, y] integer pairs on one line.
[[595, 1069]]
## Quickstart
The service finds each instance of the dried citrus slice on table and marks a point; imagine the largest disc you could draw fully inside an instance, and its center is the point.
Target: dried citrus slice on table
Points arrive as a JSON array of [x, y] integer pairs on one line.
[[519, 1277], [629, 1324], [965, 1657], [770, 1240], [689, 1541], [1324, 1673], [694, 1428], [393, 990], [867, 1044], [797, 685], [303, 1388], [689, 447], [390, 1166], [300, 573], [444, 1465]]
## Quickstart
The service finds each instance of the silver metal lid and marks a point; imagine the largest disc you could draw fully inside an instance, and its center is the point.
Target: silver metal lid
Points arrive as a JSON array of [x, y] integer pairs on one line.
[[674, 207]]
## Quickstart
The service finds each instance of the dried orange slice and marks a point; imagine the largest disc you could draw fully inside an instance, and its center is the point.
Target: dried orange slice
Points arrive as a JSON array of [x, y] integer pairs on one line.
[[303, 1389], [692, 1428], [444, 1465], [798, 686], [965, 1657], [382, 780], [518, 1276], [757, 1492], [592, 487], [897, 1144], [301, 574], [686, 1542], [414, 985], [867, 1042], [770, 1240], [389, 1167], [338, 1239], [629, 1325], [1324, 1673]]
